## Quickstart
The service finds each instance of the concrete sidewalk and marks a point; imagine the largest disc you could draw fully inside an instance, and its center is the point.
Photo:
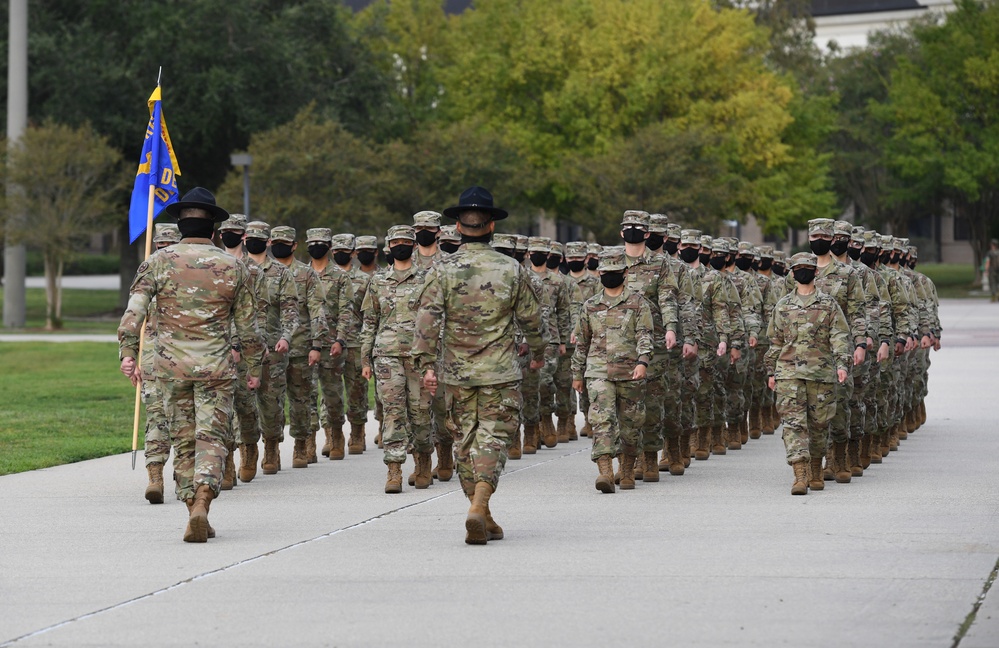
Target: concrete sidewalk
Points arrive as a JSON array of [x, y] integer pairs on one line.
[[721, 556]]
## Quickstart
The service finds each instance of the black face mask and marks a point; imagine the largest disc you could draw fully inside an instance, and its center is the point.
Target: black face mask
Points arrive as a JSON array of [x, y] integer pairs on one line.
[[717, 262], [912, 264], [508, 252], [366, 257], [654, 242], [196, 228], [868, 258], [885, 257], [318, 250], [839, 246], [780, 270], [743, 263], [401, 252], [553, 261], [766, 264], [255, 245], [281, 250], [671, 247], [539, 258], [688, 255], [485, 238], [612, 279], [341, 258], [425, 237], [755, 265], [705, 258], [231, 239], [729, 262], [520, 256], [854, 253], [804, 275], [820, 246], [593, 264], [895, 258], [576, 266], [633, 235], [450, 248]]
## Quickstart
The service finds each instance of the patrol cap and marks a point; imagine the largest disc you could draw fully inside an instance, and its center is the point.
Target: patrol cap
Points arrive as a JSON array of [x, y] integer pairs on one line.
[[821, 226], [707, 241], [539, 244], [426, 219], [780, 256], [842, 228], [505, 241], [994, 242], [803, 259], [658, 223], [397, 232], [283, 233], [235, 223], [857, 234], [871, 239], [766, 251], [745, 247], [903, 243], [365, 243], [557, 248], [897, 244], [319, 235], [521, 242], [342, 242], [690, 237], [635, 217], [733, 243], [913, 252], [166, 233], [887, 241], [258, 229], [450, 233], [594, 248], [673, 231], [575, 249], [612, 259], [720, 245]]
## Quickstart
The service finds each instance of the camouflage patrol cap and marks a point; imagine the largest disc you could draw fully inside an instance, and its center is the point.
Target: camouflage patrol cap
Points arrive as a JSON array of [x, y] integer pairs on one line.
[[400, 232], [913, 252], [707, 241], [658, 223], [235, 223], [505, 241], [575, 249], [733, 243], [721, 246], [318, 235], [426, 219], [449, 233], [745, 247], [821, 226], [612, 259], [766, 251], [690, 237], [857, 234], [594, 248], [887, 241], [635, 217], [557, 248], [342, 242], [842, 228], [283, 233], [780, 256], [898, 245], [166, 233], [521, 242], [258, 229], [903, 243], [366, 243], [539, 244], [673, 231], [803, 259], [871, 239]]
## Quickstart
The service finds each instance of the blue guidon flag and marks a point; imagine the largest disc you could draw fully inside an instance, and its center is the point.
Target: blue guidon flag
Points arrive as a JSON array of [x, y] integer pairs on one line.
[[158, 171]]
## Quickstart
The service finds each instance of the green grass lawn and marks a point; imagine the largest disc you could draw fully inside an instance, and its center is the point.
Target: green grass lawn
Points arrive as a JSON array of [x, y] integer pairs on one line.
[[952, 280], [83, 311]]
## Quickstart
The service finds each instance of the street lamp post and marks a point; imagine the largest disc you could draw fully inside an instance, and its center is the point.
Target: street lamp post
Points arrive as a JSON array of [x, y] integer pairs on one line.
[[244, 160], [17, 120]]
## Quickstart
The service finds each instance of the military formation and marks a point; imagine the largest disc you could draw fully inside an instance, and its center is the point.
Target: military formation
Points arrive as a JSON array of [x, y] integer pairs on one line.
[[483, 346]]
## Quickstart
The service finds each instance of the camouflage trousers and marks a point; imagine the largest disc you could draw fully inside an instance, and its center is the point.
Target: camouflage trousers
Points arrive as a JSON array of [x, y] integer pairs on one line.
[[355, 387], [246, 410], [270, 397], [758, 393], [197, 412], [547, 389], [438, 414], [673, 381], [806, 407], [735, 388], [708, 369], [157, 436], [655, 394], [690, 383], [406, 409], [530, 389], [301, 397], [839, 426], [858, 400], [483, 419], [330, 379], [617, 413], [883, 394], [564, 403], [719, 390]]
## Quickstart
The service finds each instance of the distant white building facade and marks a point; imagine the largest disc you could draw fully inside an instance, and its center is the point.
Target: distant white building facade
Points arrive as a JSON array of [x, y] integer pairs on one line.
[[849, 22]]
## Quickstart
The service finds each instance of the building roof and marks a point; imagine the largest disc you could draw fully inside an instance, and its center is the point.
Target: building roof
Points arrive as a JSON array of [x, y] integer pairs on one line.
[[845, 7]]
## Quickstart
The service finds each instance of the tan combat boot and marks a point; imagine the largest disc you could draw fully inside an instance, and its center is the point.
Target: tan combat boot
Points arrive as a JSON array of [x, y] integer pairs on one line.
[[197, 523], [154, 491], [269, 466], [328, 444], [703, 450], [876, 449], [866, 443], [190, 505], [674, 448], [767, 422], [587, 431], [423, 476], [627, 480], [840, 466], [445, 461], [336, 443], [229, 471], [549, 435], [650, 467], [310, 448], [686, 447], [800, 486], [853, 463], [640, 466], [515, 451], [247, 462], [299, 459], [829, 472], [620, 469], [922, 413], [664, 462], [734, 436], [393, 483], [894, 437], [743, 431], [755, 422], [718, 439], [571, 425], [563, 430], [605, 482], [378, 438], [356, 443], [475, 523], [815, 481], [530, 439]]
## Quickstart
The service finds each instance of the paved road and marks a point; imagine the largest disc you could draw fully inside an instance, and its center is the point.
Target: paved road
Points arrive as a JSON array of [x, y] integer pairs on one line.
[[721, 556]]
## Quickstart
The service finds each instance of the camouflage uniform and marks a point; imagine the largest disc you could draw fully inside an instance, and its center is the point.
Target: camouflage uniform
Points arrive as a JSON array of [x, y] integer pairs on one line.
[[555, 294], [355, 386], [565, 406], [449, 235], [426, 219], [993, 258], [761, 398], [531, 385], [581, 289]]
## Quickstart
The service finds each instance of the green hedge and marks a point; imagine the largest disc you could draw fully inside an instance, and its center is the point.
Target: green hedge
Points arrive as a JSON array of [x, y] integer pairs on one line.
[[78, 264]]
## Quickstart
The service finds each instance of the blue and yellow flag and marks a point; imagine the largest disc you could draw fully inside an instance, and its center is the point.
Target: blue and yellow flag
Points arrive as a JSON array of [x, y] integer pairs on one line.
[[158, 169]]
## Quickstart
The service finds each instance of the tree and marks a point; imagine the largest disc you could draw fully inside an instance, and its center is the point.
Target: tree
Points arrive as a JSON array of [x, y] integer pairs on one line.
[[65, 178]]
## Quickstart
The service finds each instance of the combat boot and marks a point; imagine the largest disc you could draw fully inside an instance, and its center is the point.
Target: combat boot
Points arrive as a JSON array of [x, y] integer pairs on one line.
[[718, 439], [154, 491], [686, 447], [530, 439], [829, 472], [640, 467], [549, 435], [587, 431], [651, 467], [866, 442], [853, 463], [815, 481], [336, 443], [475, 523], [247, 462], [228, 471], [355, 445], [411, 480], [620, 469], [735, 436], [269, 466], [310, 448], [903, 427], [767, 422], [571, 425], [840, 466], [800, 486], [197, 523], [563, 430], [627, 472], [378, 438], [328, 444], [894, 436], [423, 477], [703, 450], [886, 444], [674, 453], [876, 449], [922, 413], [515, 451], [744, 431], [299, 459], [605, 482], [393, 484], [664, 462], [755, 422], [445, 461], [190, 505]]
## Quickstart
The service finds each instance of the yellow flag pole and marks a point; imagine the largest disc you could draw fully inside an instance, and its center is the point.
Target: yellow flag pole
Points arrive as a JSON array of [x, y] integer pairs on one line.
[[142, 329]]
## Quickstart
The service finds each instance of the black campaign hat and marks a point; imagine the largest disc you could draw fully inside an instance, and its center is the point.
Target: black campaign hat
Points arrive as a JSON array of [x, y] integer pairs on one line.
[[198, 198], [476, 199]]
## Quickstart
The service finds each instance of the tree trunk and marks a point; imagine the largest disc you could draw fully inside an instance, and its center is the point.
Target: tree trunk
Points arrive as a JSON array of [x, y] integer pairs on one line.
[[53, 293]]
